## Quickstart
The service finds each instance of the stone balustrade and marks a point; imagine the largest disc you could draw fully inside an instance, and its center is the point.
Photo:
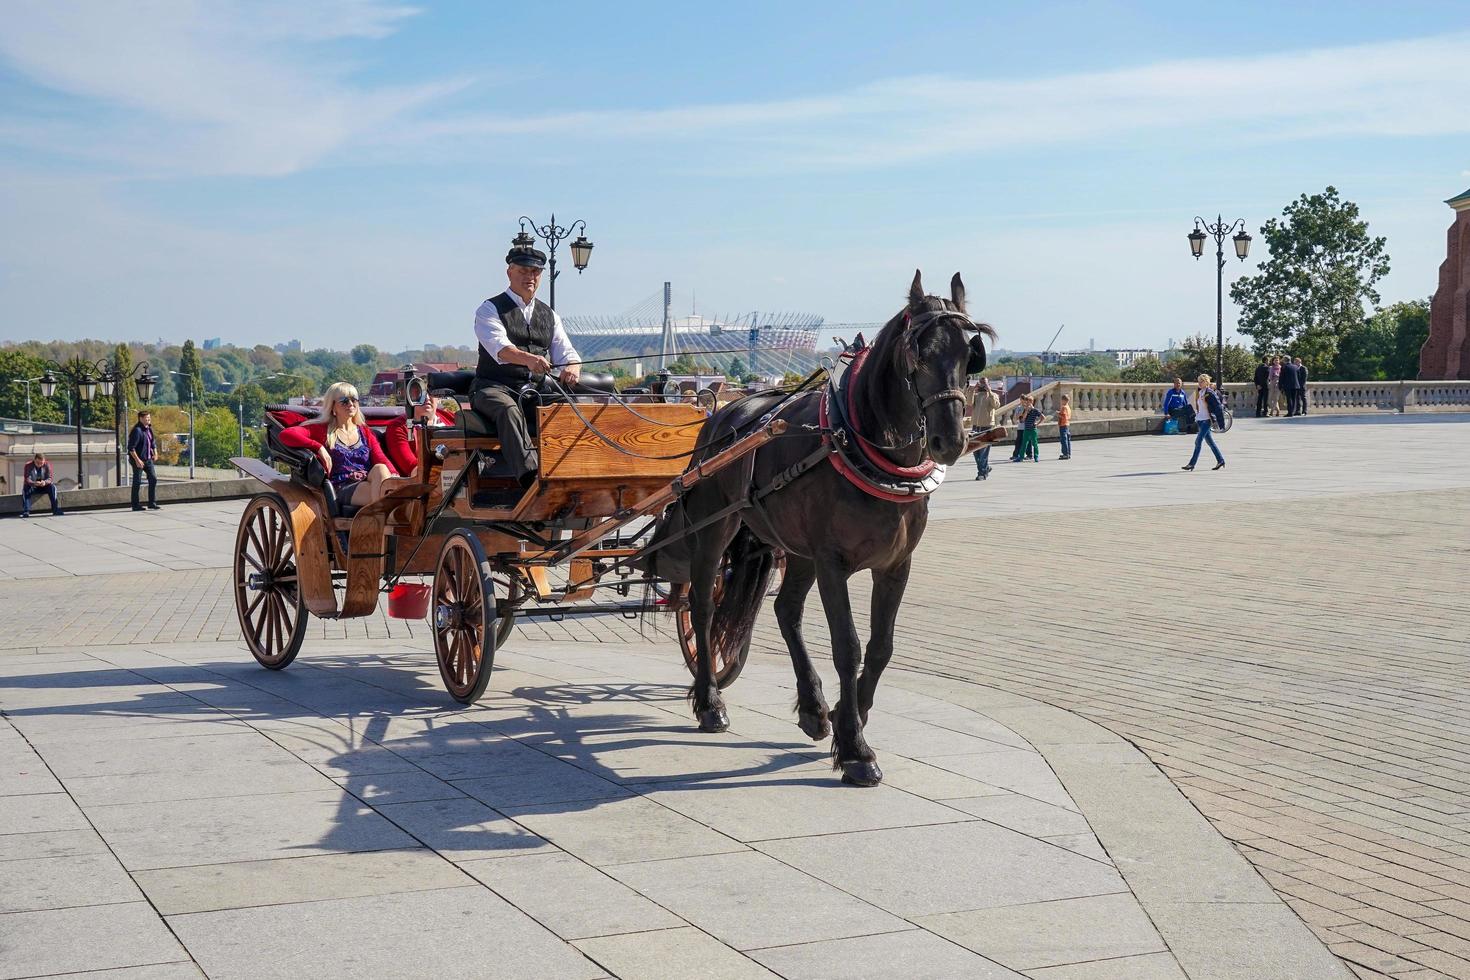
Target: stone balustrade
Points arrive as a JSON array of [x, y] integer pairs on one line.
[[1101, 400]]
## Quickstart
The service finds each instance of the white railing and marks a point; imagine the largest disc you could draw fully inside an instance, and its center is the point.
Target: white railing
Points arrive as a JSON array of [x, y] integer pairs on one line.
[[1100, 400]]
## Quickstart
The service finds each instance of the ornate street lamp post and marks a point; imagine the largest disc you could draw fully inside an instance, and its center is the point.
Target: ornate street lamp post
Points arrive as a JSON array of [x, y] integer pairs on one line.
[[1202, 230], [554, 234], [77, 375], [113, 382]]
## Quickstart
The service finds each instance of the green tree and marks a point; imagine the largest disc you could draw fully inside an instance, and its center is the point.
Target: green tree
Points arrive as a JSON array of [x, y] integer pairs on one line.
[[365, 354], [1363, 350], [1410, 331], [16, 365], [1311, 291], [1145, 370], [1197, 356], [217, 438], [191, 380]]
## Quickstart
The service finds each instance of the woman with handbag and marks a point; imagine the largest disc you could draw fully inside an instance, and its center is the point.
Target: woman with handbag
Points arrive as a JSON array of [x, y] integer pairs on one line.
[[344, 442], [1209, 412]]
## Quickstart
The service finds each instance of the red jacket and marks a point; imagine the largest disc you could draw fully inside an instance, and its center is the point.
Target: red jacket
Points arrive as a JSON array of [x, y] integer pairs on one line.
[[312, 435]]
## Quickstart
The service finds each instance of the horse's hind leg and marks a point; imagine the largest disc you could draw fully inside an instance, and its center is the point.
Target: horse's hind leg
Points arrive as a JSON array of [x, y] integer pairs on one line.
[[888, 588], [850, 752], [708, 548], [811, 707]]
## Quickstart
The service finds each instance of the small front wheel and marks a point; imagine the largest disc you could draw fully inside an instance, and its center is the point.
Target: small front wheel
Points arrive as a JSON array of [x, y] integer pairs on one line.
[[268, 596], [462, 614]]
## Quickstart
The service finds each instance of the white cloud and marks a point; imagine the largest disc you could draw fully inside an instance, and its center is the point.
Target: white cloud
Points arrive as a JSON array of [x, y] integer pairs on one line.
[[201, 88], [1414, 87]]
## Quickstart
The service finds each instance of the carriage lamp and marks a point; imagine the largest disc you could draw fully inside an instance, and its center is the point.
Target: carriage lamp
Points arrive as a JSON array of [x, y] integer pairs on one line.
[[146, 384], [1242, 244], [523, 240], [581, 252], [1197, 242], [48, 384]]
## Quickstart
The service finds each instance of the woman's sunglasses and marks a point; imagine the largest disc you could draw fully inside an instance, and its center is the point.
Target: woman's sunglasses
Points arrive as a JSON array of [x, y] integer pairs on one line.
[[349, 400]]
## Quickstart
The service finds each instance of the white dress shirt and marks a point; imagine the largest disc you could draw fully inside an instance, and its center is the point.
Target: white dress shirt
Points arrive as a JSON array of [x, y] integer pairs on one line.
[[491, 333]]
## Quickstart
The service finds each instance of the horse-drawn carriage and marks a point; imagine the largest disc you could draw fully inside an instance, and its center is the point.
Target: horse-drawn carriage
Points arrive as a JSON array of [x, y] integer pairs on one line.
[[493, 550]]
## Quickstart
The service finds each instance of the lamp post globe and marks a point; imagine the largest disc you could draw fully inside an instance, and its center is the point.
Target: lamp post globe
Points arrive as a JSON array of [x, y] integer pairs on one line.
[[1242, 244], [581, 252], [1197, 242]]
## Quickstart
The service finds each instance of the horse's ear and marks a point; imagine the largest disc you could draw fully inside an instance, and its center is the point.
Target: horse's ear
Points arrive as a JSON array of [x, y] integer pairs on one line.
[[957, 292], [916, 291]]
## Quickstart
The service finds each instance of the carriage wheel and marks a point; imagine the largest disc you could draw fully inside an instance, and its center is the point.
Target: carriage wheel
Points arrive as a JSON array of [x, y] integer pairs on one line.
[[464, 621], [268, 595], [728, 664]]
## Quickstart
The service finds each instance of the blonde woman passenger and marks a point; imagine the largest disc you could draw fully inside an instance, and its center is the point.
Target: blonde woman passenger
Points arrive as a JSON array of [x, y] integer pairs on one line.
[[341, 438]]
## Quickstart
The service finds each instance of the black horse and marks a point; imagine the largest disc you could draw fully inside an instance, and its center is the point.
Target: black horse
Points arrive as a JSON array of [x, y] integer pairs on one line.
[[906, 400]]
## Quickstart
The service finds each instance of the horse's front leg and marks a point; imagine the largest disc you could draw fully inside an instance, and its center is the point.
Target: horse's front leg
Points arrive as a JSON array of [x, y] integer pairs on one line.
[[850, 752], [888, 588], [811, 707]]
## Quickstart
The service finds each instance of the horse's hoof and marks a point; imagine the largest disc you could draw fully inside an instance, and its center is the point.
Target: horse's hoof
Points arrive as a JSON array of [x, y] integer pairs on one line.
[[814, 725], [714, 720], [861, 773]]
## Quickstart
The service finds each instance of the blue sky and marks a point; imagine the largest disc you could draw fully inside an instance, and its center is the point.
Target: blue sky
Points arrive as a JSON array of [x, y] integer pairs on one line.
[[351, 170]]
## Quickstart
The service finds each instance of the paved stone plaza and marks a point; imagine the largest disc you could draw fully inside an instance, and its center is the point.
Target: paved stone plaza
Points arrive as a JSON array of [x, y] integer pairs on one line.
[[1141, 724]]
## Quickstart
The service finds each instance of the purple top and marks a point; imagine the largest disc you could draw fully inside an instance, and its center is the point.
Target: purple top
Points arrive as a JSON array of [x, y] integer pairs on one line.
[[348, 461], [1275, 370]]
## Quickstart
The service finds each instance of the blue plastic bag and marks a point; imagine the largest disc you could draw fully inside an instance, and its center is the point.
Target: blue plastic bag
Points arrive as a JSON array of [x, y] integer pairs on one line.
[[1171, 427]]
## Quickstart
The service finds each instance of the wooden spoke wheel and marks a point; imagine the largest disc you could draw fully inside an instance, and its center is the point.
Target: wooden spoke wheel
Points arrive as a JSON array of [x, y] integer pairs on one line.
[[268, 595], [728, 663], [462, 611]]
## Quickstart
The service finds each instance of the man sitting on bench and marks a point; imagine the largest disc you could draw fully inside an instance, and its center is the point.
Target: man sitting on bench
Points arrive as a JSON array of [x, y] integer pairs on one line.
[[519, 337]]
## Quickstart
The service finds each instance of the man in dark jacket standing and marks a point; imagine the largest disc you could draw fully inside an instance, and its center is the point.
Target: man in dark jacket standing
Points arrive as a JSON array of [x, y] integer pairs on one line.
[[1263, 383], [142, 451], [1288, 386], [1300, 370]]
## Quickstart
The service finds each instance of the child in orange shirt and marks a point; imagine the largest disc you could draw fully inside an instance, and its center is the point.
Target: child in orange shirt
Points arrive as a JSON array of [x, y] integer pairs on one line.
[[1064, 430]]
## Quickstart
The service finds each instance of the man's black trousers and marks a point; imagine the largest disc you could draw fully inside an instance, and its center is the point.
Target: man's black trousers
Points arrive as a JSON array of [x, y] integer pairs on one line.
[[138, 474]]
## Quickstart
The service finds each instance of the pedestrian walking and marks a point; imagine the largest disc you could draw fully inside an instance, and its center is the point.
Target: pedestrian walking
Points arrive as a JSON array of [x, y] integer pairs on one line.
[[1301, 385], [1288, 386], [1209, 411], [1031, 416], [1064, 428], [142, 451], [1263, 385], [983, 417], [1017, 414], [38, 480], [1273, 381]]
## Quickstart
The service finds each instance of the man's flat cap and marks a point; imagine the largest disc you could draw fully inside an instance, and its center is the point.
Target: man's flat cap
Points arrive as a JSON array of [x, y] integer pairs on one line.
[[527, 256]]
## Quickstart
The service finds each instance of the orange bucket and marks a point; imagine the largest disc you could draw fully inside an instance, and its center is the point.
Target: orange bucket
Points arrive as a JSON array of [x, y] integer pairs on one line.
[[408, 601]]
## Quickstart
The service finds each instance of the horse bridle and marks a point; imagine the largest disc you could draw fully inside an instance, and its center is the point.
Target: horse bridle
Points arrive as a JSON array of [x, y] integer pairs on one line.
[[914, 324]]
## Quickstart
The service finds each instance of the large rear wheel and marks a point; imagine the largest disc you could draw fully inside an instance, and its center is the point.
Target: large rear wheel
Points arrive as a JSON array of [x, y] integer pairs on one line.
[[728, 663], [463, 617], [268, 595]]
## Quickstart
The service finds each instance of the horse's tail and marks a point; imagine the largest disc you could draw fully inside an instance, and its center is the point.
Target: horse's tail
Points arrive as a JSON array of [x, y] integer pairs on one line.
[[751, 566]]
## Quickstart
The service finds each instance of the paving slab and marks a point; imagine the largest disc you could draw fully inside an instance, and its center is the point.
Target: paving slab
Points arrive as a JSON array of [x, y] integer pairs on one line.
[[101, 937], [454, 932], [243, 828], [36, 884], [896, 954], [918, 871], [39, 812], [672, 954], [751, 901], [463, 829], [569, 897], [1067, 931], [608, 832], [244, 884]]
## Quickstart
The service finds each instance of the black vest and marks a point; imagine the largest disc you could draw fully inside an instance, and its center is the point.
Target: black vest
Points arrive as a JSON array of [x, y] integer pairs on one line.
[[532, 336]]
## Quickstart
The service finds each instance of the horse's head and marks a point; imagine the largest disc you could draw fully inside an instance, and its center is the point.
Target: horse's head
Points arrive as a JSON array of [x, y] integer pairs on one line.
[[938, 346]]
